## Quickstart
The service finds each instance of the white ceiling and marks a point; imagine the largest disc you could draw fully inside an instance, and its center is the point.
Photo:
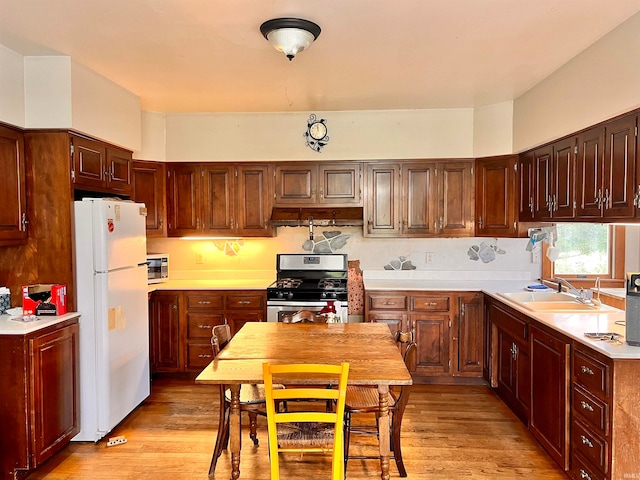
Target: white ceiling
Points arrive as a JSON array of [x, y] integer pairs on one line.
[[209, 55]]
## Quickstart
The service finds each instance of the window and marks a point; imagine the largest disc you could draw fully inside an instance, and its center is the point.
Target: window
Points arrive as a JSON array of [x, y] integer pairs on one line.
[[587, 250]]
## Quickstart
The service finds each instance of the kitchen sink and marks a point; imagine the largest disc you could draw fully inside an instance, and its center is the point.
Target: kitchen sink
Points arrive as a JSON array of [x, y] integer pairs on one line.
[[553, 302]]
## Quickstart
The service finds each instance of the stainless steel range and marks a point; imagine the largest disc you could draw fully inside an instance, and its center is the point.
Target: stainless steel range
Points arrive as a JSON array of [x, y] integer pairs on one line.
[[308, 282]]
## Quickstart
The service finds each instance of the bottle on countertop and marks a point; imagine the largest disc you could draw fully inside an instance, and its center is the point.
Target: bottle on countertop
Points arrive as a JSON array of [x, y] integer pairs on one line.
[[5, 300], [329, 311]]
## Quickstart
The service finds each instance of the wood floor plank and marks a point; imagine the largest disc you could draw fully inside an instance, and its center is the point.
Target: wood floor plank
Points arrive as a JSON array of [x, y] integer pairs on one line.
[[449, 432]]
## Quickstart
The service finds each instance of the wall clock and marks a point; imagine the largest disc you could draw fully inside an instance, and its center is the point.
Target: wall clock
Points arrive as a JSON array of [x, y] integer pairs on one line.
[[316, 135]]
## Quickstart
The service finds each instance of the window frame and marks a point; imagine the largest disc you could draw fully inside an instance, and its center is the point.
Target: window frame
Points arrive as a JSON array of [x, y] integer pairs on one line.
[[615, 279]]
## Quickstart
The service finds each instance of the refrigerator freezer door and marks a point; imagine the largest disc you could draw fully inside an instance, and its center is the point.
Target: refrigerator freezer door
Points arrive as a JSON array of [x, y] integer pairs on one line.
[[119, 234], [114, 369]]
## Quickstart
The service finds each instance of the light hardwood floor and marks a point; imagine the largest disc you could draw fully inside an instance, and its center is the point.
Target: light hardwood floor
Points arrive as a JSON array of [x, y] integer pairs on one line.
[[449, 432]]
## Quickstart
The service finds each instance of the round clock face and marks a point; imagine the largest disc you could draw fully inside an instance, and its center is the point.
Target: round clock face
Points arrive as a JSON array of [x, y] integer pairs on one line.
[[318, 130]]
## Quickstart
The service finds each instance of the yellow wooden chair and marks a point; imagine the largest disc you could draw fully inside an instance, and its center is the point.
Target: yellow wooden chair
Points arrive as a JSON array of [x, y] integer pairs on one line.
[[306, 430]]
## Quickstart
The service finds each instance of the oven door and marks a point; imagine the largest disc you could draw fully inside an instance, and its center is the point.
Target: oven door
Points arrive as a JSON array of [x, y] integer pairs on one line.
[[277, 308]]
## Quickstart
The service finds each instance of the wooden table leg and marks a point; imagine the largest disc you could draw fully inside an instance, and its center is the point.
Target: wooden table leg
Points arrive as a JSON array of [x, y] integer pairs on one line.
[[234, 431], [383, 431]]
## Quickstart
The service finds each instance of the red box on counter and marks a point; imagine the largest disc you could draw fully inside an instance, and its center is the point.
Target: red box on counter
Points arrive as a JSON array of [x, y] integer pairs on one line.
[[44, 299]]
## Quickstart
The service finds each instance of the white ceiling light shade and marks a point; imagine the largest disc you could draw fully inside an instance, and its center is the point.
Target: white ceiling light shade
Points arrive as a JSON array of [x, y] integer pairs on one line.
[[290, 35]]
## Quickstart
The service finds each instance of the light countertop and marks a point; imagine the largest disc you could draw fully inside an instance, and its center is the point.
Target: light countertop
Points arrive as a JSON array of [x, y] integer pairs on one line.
[[213, 284], [17, 327]]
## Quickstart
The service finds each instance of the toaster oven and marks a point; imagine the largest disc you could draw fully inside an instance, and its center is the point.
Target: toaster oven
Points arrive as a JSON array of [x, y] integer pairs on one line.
[[157, 267]]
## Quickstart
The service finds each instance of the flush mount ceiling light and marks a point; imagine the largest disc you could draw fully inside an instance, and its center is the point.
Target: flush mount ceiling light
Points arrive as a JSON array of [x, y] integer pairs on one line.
[[290, 35]]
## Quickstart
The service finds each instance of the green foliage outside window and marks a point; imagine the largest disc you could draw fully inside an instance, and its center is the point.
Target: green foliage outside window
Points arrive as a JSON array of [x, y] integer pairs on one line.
[[584, 249]]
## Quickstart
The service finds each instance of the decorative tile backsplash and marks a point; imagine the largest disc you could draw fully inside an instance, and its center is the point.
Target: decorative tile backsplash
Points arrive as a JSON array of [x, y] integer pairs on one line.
[[400, 264], [328, 242], [485, 252]]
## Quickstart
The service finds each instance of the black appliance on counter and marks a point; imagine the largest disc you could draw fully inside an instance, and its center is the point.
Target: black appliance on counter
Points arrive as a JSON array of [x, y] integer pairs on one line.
[[632, 310], [308, 282]]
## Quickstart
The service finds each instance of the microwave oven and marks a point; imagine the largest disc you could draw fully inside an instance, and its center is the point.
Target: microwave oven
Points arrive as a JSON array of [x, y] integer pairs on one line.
[[157, 267]]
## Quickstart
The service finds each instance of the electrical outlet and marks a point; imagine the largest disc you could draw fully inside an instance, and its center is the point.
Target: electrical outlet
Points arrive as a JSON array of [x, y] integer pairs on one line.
[[536, 255], [429, 258], [199, 259], [116, 441]]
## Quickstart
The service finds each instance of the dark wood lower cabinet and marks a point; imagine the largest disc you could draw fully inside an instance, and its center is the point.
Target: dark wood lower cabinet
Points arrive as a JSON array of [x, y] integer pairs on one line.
[[164, 329], [40, 396], [550, 395]]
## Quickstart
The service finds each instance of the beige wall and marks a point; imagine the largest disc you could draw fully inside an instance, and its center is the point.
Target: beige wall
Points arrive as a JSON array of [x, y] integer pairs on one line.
[[493, 130], [11, 87], [600, 83], [48, 92]]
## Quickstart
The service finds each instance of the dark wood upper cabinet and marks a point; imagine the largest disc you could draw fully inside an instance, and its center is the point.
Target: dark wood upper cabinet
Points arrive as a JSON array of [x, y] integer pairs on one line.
[[563, 195], [420, 199], [496, 196], [149, 187], [97, 166], [236, 200], [589, 173], [620, 167], [526, 187], [308, 184], [543, 181], [13, 214]]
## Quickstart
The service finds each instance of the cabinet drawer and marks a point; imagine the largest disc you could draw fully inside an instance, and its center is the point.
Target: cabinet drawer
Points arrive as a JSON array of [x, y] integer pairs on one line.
[[245, 301], [580, 470], [594, 411], [199, 325], [387, 302], [244, 317], [430, 304], [591, 373], [199, 355], [204, 301], [590, 446]]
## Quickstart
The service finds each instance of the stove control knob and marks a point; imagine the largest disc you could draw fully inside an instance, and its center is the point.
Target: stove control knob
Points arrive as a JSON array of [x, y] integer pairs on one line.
[[323, 295], [290, 295], [279, 294]]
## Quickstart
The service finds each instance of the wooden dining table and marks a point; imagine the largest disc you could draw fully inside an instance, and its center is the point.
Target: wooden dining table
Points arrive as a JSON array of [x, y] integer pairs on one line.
[[374, 359]]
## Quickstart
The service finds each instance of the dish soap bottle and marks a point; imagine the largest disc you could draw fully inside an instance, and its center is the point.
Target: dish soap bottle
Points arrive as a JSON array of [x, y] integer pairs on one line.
[[329, 311]]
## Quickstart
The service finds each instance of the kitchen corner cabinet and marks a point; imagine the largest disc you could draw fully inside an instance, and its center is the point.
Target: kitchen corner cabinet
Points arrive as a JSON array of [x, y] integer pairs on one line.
[[554, 180], [13, 197], [447, 328], [419, 199], [219, 199], [181, 324], [510, 367], [496, 196], [39, 406], [305, 184], [149, 187], [97, 166]]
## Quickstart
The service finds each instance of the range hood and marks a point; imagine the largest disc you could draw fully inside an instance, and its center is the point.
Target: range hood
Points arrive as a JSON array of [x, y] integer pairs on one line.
[[318, 216]]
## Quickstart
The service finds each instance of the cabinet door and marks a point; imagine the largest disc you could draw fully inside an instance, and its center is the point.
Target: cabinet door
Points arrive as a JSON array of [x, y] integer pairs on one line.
[[496, 196], [296, 184], [457, 199], [340, 184], [236, 320], [13, 226], [420, 199], [382, 208], [543, 181], [253, 200], [526, 187], [183, 199], [118, 178], [620, 167], [550, 394], [589, 173], [395, 320], [165, 344], [89, 162], [563, 196], [514, 385], [468, 341], [149, 187], [431, 334], [218, 202], [55, 399]]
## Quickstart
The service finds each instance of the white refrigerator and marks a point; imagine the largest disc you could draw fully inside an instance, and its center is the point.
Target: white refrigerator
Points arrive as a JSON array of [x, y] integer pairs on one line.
[[111, 296]]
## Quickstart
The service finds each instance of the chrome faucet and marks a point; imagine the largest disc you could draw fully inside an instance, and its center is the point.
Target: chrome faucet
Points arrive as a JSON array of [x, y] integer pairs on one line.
[[582, 295]]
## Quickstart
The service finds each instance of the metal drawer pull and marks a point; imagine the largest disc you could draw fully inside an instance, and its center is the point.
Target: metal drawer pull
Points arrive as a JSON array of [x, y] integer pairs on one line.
[[431, 304], [209, 327], [204, 302], [244, 302], [586, 369], [388, 303], [586, 406], [204, 355], [586, 441], [584, 474]]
